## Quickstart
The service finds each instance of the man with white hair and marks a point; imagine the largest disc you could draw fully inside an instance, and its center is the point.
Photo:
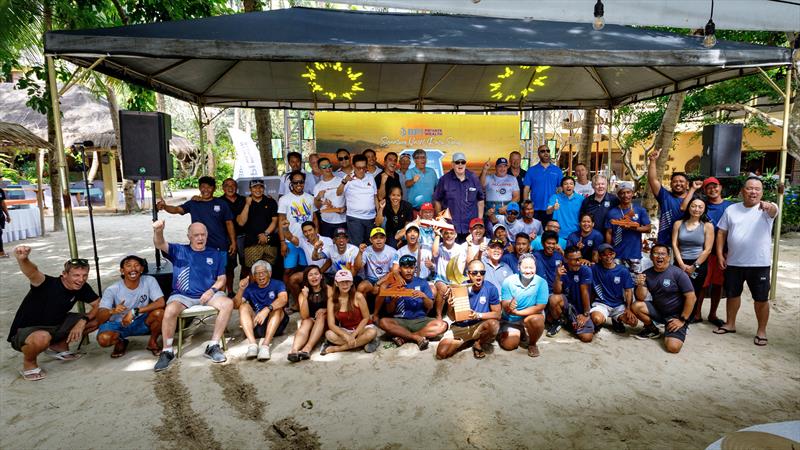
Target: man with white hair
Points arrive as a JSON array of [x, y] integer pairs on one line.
[[261, 310], [198, 278], [599, 203]]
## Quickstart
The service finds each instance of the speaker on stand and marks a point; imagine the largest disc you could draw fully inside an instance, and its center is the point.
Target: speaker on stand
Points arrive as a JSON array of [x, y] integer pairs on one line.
[[722, 150]]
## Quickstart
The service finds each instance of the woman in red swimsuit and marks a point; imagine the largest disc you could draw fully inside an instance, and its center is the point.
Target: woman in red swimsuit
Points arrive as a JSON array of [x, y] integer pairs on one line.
[[349, 326]]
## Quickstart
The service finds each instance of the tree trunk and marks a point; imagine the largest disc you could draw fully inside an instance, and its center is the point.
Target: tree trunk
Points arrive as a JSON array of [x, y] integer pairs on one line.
[[128, 186], [664, 140], [52, 164], [95, 165], [264, 137], [587, 137], [211, 141]]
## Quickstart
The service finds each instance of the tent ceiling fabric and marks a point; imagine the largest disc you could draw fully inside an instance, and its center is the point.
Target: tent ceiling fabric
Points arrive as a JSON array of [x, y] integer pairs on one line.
[[303, 58]]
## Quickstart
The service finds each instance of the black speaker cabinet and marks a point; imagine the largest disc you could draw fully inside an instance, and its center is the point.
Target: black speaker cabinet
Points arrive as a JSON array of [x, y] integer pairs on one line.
[[145, 145], [722, 150]]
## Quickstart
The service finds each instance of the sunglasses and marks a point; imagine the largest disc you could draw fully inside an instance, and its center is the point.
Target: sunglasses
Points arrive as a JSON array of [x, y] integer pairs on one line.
[[79, 262], [296, 182], [343, 158], [544, 151], [325, 166], [477, 272], [512, 213], [460, 162]]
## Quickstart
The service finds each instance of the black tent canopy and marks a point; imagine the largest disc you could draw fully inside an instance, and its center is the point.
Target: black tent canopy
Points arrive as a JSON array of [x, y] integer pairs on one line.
[[304, 58]]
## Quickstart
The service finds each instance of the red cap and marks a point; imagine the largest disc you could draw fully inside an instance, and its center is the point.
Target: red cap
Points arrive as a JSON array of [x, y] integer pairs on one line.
[[427, 205], [710, 180], [475, 221]]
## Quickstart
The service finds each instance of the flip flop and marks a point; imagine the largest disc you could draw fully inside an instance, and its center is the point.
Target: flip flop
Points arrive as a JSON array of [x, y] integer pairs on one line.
[[723, 330], [155, 351], [478, 353], [717, 322], [120, 348], [66, 355], [423, 344], [34, 374], [759, 341], [398, 341], [533, 351]]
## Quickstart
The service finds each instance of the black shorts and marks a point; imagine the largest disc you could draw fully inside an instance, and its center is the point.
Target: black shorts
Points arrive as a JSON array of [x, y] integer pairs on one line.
[[261, 330], [58, 333], [656, 316], [757, 279]]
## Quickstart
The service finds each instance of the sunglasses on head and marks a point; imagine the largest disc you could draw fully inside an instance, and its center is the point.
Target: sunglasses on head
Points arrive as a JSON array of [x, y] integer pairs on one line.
[[477, 272], [79, 262], [460, 162], [342, 158]]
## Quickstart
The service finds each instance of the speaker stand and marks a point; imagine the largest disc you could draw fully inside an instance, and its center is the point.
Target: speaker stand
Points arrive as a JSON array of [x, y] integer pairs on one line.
[[155, 218]]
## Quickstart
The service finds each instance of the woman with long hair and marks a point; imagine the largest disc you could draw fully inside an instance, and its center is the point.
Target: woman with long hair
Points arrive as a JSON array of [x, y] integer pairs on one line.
[[692, 241], [313, 300], [349, 325], [397, 213]]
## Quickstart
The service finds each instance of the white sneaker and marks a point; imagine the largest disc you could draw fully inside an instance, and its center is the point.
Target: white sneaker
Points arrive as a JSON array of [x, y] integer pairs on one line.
[[252, 351], [264, 353]]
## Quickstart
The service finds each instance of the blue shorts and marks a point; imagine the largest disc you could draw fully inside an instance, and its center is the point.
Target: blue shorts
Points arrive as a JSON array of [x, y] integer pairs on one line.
[[138, 327], [295, 256]]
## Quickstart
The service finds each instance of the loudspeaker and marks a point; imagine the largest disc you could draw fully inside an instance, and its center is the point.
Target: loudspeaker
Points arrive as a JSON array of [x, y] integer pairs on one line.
[[145, 145], [722, 150]]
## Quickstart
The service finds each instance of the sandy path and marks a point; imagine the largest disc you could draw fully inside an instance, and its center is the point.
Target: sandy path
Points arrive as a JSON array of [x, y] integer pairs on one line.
[[617, 392]]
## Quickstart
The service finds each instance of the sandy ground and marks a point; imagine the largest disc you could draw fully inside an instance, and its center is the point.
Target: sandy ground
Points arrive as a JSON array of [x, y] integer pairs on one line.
[[616, 392]]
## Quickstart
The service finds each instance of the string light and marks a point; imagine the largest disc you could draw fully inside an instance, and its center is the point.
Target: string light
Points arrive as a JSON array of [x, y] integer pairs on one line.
[[710, 39], [599, 22]]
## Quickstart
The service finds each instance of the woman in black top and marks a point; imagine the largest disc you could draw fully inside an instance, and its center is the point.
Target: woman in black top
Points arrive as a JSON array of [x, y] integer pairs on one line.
[[397, 212], [313, 299]]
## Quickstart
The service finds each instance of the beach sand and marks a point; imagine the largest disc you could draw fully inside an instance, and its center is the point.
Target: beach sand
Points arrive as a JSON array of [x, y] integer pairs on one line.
[[616, 392]]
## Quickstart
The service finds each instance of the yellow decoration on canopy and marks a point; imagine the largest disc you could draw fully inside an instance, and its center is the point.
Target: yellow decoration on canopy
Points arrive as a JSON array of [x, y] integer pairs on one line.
[[333, 80], [513, 75]]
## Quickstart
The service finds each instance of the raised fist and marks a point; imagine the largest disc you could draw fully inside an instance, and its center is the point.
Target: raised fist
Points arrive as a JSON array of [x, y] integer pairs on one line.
[[161, 204], [415, 179], [654, 155], [305, 291], [22, 251], [318, 245], [697, 184], [158, 225]]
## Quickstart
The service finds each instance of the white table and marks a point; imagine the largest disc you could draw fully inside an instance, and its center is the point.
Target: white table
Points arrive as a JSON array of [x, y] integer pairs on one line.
[[25, 223]]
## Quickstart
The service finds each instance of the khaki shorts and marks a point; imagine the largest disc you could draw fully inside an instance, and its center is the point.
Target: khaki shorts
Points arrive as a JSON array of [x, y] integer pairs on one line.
[[467, 333], [413, 325], [259, 251]]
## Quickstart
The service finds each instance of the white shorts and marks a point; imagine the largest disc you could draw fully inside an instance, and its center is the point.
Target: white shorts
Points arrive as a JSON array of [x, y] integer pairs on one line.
[[190, 301], [607, 311], [512, 328]]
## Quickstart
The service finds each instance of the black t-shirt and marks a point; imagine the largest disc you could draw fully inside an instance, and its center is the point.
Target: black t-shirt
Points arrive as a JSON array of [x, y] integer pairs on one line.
[[258, 219], [236, 208], [397, 220], [47, 305], [391, 181], [668, 289]]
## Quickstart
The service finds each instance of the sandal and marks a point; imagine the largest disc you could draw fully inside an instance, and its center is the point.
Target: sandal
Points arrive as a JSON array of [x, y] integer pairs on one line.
[[65, 355], [155, 351], [533, 351], [423, 344], [717, 322], [723, 330], [120, 348], [304, 355], [34, 374], [398, 341], [478, 353], [759, 341], [293, 357]]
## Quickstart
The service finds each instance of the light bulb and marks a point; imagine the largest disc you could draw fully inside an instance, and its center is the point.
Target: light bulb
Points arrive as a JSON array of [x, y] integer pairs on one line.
[[598, 23], [709, 41]]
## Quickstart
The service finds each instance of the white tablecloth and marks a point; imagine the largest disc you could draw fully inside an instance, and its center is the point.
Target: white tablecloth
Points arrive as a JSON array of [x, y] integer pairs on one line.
[[25, 223]]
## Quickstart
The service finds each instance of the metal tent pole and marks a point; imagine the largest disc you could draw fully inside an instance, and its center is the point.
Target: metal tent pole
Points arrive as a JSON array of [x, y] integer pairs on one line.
[[776, 249], [610, 124]]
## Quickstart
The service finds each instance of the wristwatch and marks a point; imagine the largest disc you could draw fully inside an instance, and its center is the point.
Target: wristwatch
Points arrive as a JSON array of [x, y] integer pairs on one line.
[[696, 266], [135, 312], [271, 308], [214, 290]]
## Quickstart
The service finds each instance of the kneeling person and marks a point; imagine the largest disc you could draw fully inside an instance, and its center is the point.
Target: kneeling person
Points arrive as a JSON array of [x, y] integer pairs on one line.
[[613, 288], [261, 312], [482, 326], [133, 306], [570, 300], [524, 299]]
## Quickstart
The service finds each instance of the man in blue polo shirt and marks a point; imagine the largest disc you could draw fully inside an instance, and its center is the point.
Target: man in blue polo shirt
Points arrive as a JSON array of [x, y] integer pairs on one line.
[[261, 310], [627, 237], [569, 303], [460, 191], [565, 206], [541, 182], [613, 288], [420, 181], [669, 201], [523, 298], [483, 324]]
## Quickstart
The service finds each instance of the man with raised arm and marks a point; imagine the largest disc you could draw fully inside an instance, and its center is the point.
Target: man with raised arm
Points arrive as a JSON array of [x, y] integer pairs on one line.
[[669, 201]]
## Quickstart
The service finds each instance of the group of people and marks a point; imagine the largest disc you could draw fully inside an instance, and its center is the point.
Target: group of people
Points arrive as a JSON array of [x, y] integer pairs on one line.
[[366, 247]]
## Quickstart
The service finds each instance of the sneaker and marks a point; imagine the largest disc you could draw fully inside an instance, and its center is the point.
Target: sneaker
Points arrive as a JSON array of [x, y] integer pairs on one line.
[[164, 361], [553, 329], [650, 332], [372, 346], [252, 351], [214, 353], [264, 353], [617, 326]]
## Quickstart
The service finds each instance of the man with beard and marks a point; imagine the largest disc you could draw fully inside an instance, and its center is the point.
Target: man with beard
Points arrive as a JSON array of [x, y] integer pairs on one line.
[[669, 201], [541, 182], [599, 203]]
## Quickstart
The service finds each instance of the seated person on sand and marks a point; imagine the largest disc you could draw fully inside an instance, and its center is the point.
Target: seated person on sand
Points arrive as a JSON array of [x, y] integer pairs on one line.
[[523, 298], [409, 321], [445, 249], [613, 289], [313, 299], [133, 306], [376, 261], [261, 309], [569, 302], [482, 326], [673, 300], [198, 278], [349, 324], [43, 322], [341, 255]]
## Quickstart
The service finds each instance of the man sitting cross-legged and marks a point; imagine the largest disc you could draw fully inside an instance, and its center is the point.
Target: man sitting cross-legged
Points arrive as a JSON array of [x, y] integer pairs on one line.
[[43, 322], [261, 309], [524, 298], [133, 306], [482, 326], [409, 321], [198, 278]]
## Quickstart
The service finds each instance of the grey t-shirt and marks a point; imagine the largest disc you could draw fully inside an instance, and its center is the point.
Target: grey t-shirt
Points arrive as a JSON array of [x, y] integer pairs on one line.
[[667, 289], [147, 292]]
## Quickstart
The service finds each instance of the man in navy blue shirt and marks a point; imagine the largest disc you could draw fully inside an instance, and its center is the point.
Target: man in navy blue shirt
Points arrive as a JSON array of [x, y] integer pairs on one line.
[[541, 182], [669, 201], [522, 245], [613, 289], [599, 203], [569, 303], [261, 310], [548, 259], [626, 237], [482, 326], [460, 191]]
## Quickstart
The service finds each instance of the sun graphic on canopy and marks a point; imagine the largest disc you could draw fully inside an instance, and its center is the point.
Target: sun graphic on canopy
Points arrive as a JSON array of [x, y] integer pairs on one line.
[[333, 80], [528, 77]]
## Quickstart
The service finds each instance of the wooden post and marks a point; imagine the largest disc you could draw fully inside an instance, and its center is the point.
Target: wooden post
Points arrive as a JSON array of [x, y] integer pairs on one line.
[[108, 167], [39, 191]]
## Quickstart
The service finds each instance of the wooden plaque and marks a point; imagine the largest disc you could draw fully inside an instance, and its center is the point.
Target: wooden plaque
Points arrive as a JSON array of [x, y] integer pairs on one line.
[[461, 309]]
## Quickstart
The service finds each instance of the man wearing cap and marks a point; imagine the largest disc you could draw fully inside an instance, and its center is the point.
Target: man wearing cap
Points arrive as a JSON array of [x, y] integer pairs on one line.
[[482, 326], [541, 183], [361, 198], [627, 238], [460, 191], [496, 269], [669, 201], [477, 240], [613, 292], [132, 306], [564, 206], [501, 187], [330, 204], [259, 222], [420, 181], [409, 321], [715, 278], [340, 256], [510, 220], [599, 203], [295, 162], [376, 261]]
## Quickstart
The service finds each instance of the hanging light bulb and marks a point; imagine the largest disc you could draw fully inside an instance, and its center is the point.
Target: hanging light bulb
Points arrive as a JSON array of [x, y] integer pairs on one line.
[[710, 39], [599, 22]]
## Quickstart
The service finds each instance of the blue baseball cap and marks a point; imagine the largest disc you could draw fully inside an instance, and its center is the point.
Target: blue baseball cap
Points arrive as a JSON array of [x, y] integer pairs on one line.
[[513, 206]]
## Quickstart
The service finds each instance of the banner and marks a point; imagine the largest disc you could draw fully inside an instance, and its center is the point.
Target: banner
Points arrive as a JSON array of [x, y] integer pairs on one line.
[[248, 159]]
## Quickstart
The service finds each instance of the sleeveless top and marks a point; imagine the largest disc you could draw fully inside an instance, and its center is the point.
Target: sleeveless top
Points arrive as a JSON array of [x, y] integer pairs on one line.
[[349, 319], [315, 302], [691, 242]]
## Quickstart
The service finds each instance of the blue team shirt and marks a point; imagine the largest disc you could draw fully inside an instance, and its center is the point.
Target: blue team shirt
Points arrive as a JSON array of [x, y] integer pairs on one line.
[[260, 297], [669, 208], [590, 242], [481, 302], [194, 272], [422, 191], [412, 307], [534, 294], [213, 214], [610, 284], [627, 243], [543, 183], [546, 266], [511, 260], [567, 212], [571, 283], [536, 244], [715, 212]]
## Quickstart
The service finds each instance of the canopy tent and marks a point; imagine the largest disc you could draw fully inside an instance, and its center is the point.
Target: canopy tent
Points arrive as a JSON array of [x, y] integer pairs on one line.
[[330, 59]]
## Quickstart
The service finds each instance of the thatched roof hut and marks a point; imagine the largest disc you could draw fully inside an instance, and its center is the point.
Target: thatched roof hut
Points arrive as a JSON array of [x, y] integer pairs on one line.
[[16, 137]]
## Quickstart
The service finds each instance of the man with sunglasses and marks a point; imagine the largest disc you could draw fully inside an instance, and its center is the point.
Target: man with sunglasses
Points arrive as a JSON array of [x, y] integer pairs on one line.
[[295, 162], [361, 198], [460, 191], [345, 167], [297, 207], [510, 220], [420, 181], [330, 204], [541, 182], [484, 322], [43, 322]]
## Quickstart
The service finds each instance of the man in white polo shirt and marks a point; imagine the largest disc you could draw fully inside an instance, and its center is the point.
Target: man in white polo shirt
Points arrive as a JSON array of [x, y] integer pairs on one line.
[[361, 198]]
